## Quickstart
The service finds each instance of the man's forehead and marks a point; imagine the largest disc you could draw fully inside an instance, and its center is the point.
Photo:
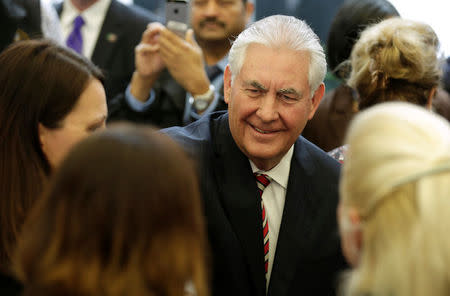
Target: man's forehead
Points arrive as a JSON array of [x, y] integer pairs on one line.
[[266, 87]]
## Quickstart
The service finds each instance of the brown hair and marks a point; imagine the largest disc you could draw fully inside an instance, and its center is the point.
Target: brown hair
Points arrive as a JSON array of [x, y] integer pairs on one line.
[[121, 217], [395, 60], [41, 83]]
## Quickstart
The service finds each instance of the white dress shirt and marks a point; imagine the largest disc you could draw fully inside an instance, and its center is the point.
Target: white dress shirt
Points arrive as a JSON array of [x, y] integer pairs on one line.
[[50, 22], [274, 196], [93, 21]]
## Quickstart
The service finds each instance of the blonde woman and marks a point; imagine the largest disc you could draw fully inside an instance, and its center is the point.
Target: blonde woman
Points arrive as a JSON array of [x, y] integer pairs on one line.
[[394, 60], [395, 202]]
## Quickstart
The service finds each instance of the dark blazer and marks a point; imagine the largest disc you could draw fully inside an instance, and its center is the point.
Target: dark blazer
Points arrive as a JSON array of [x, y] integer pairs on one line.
[[308, 255], [23, 15], [167, 109], [114, 51], [9, 286]]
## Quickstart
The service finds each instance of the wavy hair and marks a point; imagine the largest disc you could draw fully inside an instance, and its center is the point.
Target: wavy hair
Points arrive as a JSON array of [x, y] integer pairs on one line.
[[397, 176], [41, 83], [395, 60], [122, 216]]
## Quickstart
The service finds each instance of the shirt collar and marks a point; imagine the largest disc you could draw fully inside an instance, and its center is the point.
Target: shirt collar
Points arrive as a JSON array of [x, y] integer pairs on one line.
[[92, 16], [279, 173]]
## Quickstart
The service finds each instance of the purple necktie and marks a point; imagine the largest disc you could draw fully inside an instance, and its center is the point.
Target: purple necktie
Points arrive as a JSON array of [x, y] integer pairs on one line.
[[75, 40]]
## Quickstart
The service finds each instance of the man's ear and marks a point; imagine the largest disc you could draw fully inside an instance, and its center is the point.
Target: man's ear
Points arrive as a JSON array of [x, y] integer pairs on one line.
[[316, 99], [227, 84]]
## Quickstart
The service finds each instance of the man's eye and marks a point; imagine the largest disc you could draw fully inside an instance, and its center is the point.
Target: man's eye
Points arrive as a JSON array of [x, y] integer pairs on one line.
[[288, 98], [252, 92]]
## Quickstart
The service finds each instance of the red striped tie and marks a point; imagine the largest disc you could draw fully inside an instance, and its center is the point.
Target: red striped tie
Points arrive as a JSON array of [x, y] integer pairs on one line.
[[263, 181]]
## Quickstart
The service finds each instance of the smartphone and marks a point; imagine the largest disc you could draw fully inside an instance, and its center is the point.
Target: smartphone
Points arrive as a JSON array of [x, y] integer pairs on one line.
[[178, 16]]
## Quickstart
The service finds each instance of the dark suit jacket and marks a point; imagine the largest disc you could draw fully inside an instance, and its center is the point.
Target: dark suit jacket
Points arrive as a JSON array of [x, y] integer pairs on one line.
[[114, 51], [19, 14], [167, 109], [308, 254], [9, 286]]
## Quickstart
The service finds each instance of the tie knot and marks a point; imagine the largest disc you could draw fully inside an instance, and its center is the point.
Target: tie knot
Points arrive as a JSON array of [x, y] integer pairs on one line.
[[262, 180], [78, 22]]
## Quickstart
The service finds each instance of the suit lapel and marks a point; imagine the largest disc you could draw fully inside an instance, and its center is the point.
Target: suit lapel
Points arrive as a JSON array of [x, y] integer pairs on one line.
[[109, 36], [294, 225], [240, 200]]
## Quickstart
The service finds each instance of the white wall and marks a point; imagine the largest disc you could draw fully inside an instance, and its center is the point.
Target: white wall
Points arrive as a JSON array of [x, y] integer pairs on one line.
[[436, 13]]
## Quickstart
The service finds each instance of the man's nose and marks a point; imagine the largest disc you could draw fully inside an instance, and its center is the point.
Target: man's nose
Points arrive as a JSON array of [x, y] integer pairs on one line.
[[267, 110], [212, 8]]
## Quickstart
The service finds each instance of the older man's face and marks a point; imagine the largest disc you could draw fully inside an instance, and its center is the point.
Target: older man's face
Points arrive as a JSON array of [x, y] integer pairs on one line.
[[269, 102], [214, 20]]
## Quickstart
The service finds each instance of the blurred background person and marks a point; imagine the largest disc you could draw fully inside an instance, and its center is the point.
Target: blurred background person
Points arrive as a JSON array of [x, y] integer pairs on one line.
[[178, 80], [50, 98], [395, 201], [447, 75], [394, 60], [106, 32], [328, 126], [122, 216], [25, 19], [156, 6], [317, 13]]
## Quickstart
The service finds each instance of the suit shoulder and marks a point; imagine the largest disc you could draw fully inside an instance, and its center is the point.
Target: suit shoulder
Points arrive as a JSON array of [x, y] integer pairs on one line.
[[197, 131], [197, 137]]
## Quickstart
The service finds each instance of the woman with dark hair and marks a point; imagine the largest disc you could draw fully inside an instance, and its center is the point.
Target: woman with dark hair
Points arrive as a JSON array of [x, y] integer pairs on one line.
[[122, 216], [50, 98]]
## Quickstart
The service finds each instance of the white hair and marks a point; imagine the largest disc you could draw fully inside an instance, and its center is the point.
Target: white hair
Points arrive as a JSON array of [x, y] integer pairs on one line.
[[397, 176], [281, 31]]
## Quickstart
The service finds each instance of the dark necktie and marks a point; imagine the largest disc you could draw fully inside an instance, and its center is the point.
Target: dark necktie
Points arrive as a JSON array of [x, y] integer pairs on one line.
[[75, 40], [263, 181], [213, 72]]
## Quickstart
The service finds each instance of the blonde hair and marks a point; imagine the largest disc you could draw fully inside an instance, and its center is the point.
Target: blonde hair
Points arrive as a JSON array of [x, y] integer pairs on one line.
[[395, 60], [397, 176]]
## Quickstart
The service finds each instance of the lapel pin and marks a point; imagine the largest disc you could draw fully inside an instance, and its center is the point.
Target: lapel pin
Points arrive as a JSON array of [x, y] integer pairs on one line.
[[111, 37]]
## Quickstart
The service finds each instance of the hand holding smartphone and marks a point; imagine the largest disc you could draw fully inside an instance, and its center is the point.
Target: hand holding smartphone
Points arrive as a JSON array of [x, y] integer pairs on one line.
[[177, 16]]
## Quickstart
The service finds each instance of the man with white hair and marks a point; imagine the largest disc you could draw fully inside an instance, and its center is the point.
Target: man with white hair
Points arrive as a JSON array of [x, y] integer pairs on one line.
[[269, 195]]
